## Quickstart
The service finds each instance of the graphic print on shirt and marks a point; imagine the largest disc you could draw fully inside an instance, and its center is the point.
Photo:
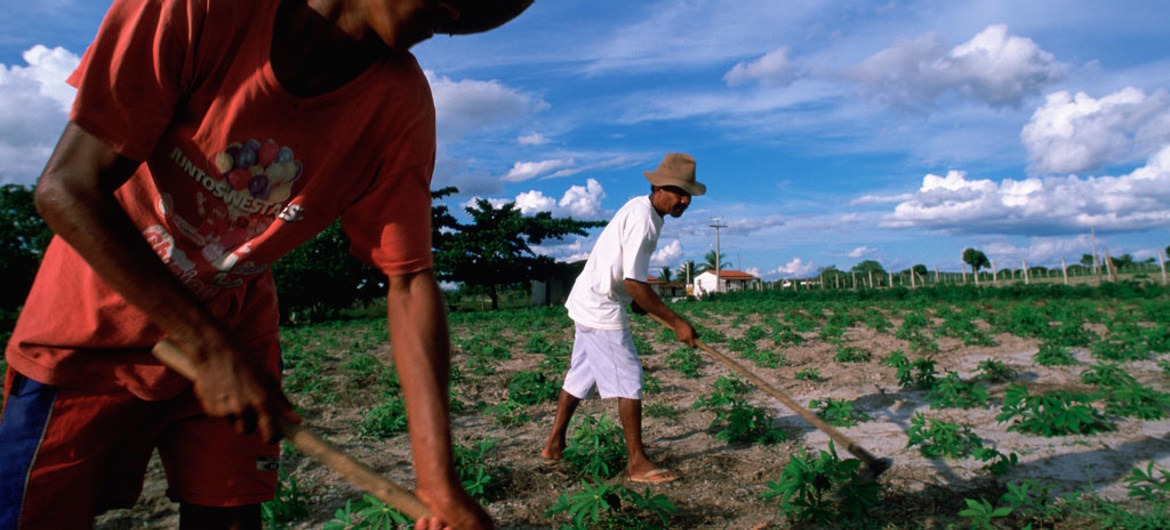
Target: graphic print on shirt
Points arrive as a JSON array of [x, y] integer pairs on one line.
[[236, 199]]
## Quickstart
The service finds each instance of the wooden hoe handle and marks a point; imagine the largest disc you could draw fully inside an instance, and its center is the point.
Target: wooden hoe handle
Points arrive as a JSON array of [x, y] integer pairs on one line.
[[318, 448], [850, 445]]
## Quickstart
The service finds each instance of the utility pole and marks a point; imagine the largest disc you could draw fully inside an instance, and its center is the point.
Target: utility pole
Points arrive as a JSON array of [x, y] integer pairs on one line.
[[718, 255]]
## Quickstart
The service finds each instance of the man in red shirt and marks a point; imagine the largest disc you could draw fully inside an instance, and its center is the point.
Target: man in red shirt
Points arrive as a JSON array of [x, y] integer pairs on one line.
[[209, 138]]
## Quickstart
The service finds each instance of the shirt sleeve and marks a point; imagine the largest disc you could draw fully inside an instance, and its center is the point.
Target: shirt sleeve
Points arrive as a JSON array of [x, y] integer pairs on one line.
[[133, 75], [638, 243], [389, 226]]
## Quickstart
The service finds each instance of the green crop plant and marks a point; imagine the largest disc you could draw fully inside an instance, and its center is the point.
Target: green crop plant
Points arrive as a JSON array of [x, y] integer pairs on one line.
[[685, 361], [531, 388], [1021, 502], [290, 503], [661, 410], [982, 514], [918, 374], [1025, 320], [1107, 376], [877, 321], [555, 363], [786, 337], [1054, 413], [998, 464], [597, 447], [1158, 337], [914, 323], [953, 391], [802, 321], [811, 373], [1137, 401], [367, 514], [1151, 484], [508, 413], [960, 327], [923, 344], [754, 333], [481, 366], [838, 412], [539, 343], [386, 419], [1120, 347], [1072, 334], [765, 358], [831, 333], [852, 354], [994, 371], [895, 359], [479, 478], [1053, 354], [822, 489], [612, 507], [737, 421], [937, 438]]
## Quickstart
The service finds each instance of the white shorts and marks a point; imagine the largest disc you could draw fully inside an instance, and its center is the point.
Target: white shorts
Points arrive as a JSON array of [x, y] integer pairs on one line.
[[606, 360]]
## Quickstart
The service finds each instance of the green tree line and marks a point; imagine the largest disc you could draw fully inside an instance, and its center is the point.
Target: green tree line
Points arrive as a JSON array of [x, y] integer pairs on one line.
[[317, 280]]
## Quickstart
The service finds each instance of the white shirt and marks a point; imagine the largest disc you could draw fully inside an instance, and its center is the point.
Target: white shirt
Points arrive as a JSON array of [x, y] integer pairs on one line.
[[622, 252]]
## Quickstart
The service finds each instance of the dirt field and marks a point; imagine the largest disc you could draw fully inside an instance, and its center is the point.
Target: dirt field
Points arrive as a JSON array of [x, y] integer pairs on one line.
[[721, 484]]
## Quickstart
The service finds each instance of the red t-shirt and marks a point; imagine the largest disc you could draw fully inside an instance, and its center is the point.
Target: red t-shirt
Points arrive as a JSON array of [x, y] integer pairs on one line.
[[237, 173]]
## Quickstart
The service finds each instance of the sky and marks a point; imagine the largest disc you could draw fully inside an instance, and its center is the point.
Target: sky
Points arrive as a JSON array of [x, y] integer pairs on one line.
[[828, 133]]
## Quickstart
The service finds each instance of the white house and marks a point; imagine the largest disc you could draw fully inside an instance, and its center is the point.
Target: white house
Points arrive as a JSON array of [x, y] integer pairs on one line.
[[729, 280]]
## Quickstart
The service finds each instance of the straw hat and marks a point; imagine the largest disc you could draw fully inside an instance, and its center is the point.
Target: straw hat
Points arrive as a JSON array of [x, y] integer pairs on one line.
[[476, 16], [677, 169]]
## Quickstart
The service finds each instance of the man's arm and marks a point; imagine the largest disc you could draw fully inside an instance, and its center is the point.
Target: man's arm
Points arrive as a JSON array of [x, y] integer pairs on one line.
[[75, 195], [421, 347], [649, 301]]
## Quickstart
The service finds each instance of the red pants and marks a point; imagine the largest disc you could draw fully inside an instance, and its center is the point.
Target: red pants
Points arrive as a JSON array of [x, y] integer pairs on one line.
[[70, 454]]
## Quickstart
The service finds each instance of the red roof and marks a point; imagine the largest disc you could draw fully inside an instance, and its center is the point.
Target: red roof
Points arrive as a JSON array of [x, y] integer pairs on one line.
[[729, 274]]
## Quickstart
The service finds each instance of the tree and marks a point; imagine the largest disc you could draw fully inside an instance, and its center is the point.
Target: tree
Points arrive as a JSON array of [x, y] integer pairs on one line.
[[1122, 261], [712, 258], [666, 275], [320, 278], [828, 274], [494, 251], [1087, 260], [868, 266], [21, 248], [976, 259], [920, 270]]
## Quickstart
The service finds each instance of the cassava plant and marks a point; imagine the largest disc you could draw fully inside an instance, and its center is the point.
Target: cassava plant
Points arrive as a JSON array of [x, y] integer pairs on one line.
[[822, 489]]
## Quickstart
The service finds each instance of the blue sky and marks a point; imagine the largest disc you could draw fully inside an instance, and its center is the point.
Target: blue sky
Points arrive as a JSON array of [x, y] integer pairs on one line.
[[827, 132]]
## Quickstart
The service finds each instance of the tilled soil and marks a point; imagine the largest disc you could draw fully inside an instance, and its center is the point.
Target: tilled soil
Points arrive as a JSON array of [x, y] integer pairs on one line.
[[721, 484]]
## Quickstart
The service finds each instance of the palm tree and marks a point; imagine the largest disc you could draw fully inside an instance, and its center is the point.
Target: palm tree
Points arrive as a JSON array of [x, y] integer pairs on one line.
[[666, 275], [714, 261]]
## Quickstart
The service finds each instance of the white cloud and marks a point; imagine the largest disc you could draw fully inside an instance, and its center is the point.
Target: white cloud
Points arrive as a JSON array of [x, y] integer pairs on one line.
[[993, 67], [1072, 133], [34, 106], [578, 202], [797, 268], [532, 139], [861, 251], [583, 202], [522, 171], [668, 255], [772, 70], [1040, 206], [470, 106]]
